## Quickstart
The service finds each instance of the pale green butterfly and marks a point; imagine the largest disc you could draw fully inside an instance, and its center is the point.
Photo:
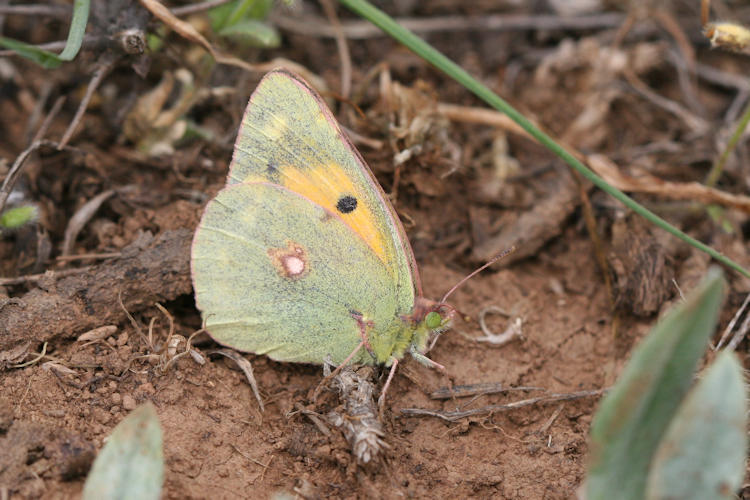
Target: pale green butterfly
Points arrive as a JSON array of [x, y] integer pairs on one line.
[[301, 256]]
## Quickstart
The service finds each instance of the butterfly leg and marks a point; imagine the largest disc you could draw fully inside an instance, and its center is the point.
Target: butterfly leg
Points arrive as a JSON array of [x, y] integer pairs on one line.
[[430, 364], [381, 399], [425, 360], [363, 329]]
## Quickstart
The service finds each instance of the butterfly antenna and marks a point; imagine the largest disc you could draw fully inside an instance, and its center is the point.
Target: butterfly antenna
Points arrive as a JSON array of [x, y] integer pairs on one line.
[[466, 278]]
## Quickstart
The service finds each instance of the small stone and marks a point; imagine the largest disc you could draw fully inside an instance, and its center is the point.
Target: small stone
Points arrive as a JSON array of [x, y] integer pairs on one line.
[[147, 388], [125, 352], [101, 416], [114, 409], [128, 402], [122, 339], [116, 398]]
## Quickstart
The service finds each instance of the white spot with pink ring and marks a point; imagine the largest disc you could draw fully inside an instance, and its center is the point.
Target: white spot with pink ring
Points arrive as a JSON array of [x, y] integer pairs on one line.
[[294, 265]]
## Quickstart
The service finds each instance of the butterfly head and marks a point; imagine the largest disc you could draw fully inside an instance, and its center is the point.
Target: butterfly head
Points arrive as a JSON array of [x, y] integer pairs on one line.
[[439, 317], [428, 321], [433, 318]]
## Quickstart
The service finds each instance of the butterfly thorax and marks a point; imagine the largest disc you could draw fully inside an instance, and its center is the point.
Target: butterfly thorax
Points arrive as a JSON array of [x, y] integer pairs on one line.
[[407, 333]]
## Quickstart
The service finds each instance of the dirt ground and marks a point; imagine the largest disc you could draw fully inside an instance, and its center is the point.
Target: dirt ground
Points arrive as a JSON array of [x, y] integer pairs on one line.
[[650, 96]]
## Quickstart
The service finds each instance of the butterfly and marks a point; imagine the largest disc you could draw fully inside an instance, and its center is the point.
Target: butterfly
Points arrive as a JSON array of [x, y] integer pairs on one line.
[[301, 256]]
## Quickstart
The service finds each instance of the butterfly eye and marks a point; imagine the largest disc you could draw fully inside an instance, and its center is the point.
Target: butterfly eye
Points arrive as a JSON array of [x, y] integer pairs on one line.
[[433, 320]]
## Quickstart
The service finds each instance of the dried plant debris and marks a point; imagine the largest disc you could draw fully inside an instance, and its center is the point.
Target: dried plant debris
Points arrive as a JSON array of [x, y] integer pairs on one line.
[[642, 267], [31, 446], [358, 419], [728, 36], [589, 72], [150, 269], [154, 126], [530, 230], [415, 125]]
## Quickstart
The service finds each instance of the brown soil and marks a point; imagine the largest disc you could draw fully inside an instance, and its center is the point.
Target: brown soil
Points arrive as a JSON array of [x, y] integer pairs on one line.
[[457, 208]]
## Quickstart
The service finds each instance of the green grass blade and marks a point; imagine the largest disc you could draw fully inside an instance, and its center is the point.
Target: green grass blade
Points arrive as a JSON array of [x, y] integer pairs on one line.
[[77, 30], [50, 60], [131, 464], [633, 417], [431, 55], [702, 454]]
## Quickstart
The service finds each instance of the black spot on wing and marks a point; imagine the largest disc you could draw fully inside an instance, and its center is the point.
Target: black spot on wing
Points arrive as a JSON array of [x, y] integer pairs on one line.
[[346, 204]]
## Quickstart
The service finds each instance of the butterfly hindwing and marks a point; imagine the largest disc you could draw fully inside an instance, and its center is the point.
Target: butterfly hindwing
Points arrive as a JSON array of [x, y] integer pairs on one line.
[[278, 274], [290, 138]]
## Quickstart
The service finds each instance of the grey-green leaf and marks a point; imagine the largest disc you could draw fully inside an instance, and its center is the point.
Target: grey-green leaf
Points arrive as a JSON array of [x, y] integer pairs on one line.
[[633, 417], [702, 454], [253, 31], [131, 464]]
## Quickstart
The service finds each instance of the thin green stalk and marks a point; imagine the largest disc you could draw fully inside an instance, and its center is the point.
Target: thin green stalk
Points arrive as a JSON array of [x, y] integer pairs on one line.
[[431, 55], [718, 167], [716, 212]]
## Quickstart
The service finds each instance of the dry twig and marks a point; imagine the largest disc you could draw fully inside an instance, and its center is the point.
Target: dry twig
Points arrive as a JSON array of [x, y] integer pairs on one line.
[[101, 71], [647, 183], [343, 48], [452, 416], [360, 30], [15, 170]]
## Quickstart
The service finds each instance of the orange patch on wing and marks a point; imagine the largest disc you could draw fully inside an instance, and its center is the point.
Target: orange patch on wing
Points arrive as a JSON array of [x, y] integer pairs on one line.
[[326, 185]]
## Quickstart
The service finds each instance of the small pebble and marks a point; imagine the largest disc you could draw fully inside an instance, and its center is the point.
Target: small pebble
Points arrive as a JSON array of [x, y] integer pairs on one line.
[[147, 388], [125, 352], [101, 416], [116, 398], [128, 402]]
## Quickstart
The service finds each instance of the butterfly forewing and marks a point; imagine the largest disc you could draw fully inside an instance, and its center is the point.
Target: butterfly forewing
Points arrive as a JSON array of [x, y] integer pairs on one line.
[[290, 138]]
